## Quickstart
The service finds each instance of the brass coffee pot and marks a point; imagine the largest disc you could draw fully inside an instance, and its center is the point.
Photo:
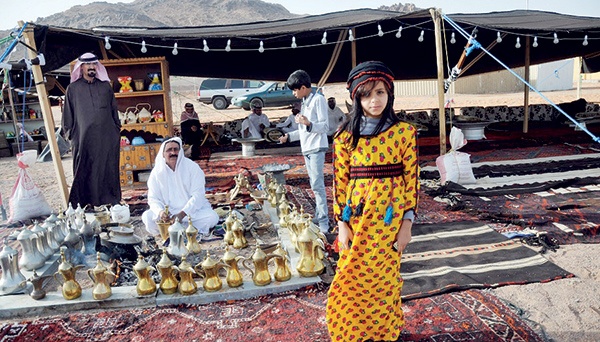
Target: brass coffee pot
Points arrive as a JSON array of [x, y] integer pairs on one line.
[[209, 270], [228, 237], [101, 276], [70, 287], [260, 274], [145, 285], [282, 272], [187, 285], [311, 253], [239, 240], [163, 225], [191, 234], [168, 281], [234, 276]]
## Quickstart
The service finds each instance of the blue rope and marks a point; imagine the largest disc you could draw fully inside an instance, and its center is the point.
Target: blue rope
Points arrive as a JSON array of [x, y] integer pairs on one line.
[[475, 43], [12, 44]]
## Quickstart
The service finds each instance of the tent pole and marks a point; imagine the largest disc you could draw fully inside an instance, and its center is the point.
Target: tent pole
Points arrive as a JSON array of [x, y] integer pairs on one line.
[[435, 14], [526, 87], [579, 77], [353, 50], [47, 114]]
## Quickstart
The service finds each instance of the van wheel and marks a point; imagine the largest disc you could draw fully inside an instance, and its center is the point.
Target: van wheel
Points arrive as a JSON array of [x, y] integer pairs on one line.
[[220, 102], [256, 101]]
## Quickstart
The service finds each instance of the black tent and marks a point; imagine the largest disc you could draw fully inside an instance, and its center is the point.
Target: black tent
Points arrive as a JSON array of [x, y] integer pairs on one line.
[[375, 37]]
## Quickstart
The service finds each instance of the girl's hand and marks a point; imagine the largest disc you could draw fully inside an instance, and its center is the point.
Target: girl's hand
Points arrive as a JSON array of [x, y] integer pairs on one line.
[[404, 235], [345, 235]]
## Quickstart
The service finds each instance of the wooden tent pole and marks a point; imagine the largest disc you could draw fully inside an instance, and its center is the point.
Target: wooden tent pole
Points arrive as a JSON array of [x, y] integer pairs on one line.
[[353, 50], [47, 114], [526, 87], [435, 14]]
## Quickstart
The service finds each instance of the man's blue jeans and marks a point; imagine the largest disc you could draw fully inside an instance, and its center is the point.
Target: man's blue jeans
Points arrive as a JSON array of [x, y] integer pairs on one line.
[[315, 165]]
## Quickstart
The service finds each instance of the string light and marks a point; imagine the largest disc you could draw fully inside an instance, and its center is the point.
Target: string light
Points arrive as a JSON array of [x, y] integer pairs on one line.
[[399, 33], [294, 43], [379, 31], [350, 35], [228, 47], [518, 45], [205, 48], [175, 52], [107, 43], [499, 38], [421, 37], [452, 38], [324, 40], [555, 41], [261, 49], [585, 42], [535, 43], [143, 49]]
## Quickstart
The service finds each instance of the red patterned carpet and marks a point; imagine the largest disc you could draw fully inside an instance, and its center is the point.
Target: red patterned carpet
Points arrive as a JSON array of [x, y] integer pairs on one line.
[[471, 315]]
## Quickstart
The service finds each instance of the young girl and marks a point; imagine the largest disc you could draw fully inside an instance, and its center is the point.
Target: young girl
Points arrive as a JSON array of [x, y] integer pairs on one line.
[[375, 199]]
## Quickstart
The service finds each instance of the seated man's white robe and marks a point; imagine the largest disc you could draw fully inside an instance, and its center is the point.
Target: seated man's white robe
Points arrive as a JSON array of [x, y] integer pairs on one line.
[[252, 123], [182, 190], [289, 124]]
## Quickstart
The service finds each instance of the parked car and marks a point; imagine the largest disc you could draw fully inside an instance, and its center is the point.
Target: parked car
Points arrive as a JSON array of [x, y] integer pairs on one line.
[[272, 94], [220, 91]]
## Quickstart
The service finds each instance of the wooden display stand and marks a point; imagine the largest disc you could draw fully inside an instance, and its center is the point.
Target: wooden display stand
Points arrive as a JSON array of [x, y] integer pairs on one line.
[[140, 158]]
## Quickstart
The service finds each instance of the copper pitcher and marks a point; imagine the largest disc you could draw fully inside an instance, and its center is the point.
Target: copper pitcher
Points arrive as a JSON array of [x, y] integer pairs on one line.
[[168, 281], [209, 271], [101, 276], [234, 276], [65, 276], [260, 274], [143, 271]]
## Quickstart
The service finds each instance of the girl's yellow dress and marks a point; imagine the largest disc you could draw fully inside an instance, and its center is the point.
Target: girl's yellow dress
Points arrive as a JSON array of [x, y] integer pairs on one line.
[[364, 297]]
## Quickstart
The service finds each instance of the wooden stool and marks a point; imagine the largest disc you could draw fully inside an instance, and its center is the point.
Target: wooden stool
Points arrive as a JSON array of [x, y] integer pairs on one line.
[[210, 131]]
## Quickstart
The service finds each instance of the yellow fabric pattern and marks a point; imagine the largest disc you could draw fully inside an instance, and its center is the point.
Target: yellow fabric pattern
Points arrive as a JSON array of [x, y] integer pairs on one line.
[[364, 298]]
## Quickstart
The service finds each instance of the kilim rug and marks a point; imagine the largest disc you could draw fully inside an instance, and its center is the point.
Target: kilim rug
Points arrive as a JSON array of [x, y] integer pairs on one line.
[[471, 315], [463, 255]]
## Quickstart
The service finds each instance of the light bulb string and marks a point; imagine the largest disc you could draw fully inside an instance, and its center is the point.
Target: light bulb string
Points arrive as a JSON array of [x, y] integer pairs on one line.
[[464, 33]]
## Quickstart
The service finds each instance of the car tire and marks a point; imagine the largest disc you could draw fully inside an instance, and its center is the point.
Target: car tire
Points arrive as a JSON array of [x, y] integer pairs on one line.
[[256, 101], [220, 102]]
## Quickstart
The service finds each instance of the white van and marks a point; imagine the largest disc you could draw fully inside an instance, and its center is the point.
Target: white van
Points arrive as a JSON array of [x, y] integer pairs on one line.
[[220, 91]]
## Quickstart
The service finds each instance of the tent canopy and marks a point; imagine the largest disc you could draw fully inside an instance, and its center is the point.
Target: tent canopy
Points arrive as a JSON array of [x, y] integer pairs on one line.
[[408, 57]]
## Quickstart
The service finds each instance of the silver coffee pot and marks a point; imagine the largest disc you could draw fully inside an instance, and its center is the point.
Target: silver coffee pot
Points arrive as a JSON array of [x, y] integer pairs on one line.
[[41, 240], [88, 237], [12, 280], [31, 258], [177, 240]]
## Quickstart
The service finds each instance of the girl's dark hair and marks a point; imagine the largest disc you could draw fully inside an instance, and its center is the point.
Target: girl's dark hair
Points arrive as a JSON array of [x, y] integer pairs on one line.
[[356, 115]]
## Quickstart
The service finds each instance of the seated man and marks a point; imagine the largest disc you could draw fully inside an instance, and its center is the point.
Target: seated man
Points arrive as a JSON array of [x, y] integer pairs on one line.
[[178, 182], [255, 123], [290, 123], [335, 114], [191, 132]]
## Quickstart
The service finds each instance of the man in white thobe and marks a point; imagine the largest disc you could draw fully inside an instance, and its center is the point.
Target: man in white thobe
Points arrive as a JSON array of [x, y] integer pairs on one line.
[[178, 182], [335, 116], [254, 124]]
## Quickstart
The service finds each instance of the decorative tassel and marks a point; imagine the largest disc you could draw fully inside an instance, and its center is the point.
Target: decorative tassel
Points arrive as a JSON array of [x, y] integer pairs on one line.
[[359, 208], [347, 213], [389, 213]]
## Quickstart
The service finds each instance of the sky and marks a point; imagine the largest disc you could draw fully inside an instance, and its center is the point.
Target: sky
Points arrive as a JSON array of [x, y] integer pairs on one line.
[[13, 11]]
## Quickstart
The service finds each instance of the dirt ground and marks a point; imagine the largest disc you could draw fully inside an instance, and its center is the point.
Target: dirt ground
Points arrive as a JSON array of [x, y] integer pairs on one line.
[[562, 310]]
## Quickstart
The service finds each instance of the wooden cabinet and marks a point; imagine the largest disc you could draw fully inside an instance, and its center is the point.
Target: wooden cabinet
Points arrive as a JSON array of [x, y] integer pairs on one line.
[[134, 159]]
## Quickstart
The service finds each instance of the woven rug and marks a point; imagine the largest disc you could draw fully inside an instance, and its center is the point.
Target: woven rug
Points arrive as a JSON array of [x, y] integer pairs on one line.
[[294, 316]]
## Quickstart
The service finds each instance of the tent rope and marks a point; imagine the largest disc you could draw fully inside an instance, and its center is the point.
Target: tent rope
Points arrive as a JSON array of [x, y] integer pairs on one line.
[[478, 46]]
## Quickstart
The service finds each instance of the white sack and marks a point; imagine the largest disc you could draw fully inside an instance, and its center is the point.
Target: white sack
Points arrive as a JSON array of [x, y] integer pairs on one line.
[[455, 166], [27, 200]]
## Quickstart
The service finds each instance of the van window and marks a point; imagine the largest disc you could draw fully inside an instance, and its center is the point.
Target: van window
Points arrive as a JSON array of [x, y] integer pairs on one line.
[[237, 84], [211, 84]]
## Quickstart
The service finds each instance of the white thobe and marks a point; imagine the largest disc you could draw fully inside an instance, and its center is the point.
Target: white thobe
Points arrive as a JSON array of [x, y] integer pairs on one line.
[[252, 123]]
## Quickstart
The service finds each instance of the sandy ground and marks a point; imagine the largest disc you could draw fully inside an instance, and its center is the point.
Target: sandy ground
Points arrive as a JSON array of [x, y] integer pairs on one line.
[[562, 310]]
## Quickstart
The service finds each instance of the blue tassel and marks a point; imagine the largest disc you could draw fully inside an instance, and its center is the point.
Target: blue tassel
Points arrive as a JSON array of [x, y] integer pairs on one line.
[[389, 213], [347, 213]]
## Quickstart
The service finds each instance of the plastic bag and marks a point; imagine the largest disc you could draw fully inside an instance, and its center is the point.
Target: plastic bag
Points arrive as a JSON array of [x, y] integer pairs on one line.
[[455, 166], [27, 200]]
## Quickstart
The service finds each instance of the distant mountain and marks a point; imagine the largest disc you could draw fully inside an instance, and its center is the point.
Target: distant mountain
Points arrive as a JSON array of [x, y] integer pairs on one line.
[[160, 13]]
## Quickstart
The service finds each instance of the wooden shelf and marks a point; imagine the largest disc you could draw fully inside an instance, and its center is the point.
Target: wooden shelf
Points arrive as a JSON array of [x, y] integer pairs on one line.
[[144, 93]]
